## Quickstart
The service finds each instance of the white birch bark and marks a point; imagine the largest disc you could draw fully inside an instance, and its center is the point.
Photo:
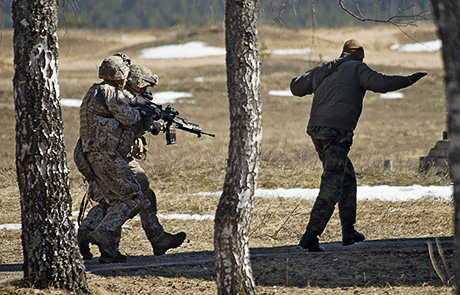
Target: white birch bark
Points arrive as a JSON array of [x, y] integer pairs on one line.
[[233, 216], [51, 255]]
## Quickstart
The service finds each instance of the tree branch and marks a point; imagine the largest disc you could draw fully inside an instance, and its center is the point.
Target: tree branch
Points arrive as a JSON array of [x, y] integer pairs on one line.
[[397, 19]]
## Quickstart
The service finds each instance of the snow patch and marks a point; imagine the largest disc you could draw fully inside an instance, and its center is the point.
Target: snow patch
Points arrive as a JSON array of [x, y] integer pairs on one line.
[[288, 51], [192, 49], [71, 102], [382, 192], [10, 226], [280, 93], [158, 98], [430, 46], [392, 95], [169, 96], [197, 49], [370, 193]]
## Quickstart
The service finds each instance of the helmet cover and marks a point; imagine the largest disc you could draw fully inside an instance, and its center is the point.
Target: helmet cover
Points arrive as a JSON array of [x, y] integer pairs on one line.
[[141, 76], [113, 68]]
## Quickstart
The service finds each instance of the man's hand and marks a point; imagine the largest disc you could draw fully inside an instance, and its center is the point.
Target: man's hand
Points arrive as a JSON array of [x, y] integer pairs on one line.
[[417, 76], [153, 112]]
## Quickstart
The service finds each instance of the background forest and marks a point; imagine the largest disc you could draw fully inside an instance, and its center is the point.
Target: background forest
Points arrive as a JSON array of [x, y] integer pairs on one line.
[[143, 14]]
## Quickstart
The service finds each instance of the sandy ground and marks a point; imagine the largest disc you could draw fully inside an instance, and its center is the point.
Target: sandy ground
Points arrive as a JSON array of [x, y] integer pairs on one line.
[[395, 255]]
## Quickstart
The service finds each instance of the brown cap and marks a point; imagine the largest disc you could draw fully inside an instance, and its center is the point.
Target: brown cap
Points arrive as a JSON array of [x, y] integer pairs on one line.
[[353, 47]]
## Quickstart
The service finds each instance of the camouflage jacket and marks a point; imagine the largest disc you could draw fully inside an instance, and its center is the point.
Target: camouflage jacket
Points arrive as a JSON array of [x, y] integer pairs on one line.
[[107, 120]]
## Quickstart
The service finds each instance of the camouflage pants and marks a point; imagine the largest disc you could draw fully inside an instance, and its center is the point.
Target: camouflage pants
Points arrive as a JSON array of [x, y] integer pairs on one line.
[[122, 190], [338, 181]]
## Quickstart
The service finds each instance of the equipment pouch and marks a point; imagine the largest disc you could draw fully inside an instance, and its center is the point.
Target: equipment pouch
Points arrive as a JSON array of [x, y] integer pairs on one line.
[[82, 162]]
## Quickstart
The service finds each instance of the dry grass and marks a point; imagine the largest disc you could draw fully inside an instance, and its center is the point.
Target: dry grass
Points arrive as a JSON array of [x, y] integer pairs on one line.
[[400, 130]]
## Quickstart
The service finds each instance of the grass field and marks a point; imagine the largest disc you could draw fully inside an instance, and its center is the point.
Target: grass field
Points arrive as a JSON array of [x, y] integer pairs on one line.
[[398, 130]]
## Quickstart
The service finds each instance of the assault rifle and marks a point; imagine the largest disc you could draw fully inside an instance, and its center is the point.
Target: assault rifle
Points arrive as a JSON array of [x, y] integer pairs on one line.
[[169, 116]]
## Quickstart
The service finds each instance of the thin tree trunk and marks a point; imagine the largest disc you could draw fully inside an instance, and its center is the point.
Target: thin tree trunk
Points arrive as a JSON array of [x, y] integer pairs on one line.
[[447, 16], [51, 256], [233, 216]]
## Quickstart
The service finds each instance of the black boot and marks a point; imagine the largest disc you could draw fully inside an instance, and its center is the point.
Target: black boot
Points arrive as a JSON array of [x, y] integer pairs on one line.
[[310, 241], [83, 243], [118, 259], [350, 236], [109, 252], [167, 241]]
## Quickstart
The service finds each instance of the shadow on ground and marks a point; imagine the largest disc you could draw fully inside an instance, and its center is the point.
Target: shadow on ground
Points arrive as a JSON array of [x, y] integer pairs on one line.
[[398, 262]]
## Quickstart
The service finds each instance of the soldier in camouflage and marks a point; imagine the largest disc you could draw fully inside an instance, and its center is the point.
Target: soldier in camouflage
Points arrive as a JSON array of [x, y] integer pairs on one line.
[[109, 127], [339, 87]]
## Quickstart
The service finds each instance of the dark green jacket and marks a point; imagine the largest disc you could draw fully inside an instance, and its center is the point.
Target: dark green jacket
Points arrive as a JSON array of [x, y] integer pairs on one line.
[[339, 87]]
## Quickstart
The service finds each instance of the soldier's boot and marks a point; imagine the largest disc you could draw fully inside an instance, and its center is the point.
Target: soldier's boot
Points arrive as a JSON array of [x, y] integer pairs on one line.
[[83, 244], [120, 258], [168, 241], [109, 253], [350, 235], [310, 241]]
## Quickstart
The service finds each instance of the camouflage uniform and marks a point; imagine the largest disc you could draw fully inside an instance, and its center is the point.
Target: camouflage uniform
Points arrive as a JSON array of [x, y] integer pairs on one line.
[[109, 125], [338, 181], [150, 223]]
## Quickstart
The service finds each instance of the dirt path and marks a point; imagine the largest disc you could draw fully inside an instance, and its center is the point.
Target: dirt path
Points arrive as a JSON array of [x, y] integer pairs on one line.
[[395, 262]]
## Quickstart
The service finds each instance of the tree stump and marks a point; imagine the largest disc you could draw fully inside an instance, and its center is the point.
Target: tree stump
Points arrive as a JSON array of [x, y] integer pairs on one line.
[[437, 159]]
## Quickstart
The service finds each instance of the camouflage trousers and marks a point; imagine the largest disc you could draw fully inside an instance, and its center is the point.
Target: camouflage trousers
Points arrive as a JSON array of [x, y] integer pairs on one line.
[[338, 181], [121, 190]]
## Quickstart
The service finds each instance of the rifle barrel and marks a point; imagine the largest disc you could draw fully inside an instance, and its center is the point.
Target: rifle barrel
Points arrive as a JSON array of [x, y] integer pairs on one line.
[[208, 134]]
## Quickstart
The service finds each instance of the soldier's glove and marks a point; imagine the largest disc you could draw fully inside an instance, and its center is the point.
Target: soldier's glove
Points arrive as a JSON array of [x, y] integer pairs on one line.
[[415, 77], [154, 113], [147, 94], [140, 148]]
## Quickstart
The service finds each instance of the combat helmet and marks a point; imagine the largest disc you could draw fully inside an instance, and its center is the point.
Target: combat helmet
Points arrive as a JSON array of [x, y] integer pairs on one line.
[[141, 76], [124, 56], [113, 68]]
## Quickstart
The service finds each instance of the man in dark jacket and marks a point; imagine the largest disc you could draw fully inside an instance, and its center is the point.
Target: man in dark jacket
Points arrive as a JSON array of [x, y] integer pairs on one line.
[[339, 87]]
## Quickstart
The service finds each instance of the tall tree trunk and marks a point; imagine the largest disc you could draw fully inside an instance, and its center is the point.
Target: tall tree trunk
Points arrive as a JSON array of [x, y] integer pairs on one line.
[[51, 256], [233, 216], [447, 16]]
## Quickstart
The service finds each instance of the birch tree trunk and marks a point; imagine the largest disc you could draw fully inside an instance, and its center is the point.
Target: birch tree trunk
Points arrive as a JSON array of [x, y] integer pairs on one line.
[[233, 216], [51, 255], [447, 17]]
